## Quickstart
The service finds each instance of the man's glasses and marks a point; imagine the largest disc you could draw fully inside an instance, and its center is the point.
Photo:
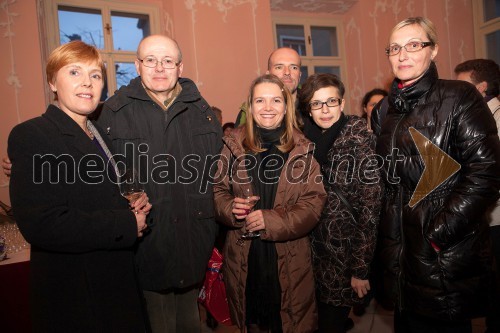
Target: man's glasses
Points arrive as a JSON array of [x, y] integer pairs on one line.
[[412, 46], [152, 62], [331, 102]]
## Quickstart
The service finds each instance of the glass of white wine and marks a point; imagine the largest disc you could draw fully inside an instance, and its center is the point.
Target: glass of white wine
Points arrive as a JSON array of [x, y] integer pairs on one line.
[[130, 187]]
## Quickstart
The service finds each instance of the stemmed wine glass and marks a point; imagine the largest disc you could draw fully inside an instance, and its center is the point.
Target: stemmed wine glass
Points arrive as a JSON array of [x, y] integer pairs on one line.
[[130, 187], [250, 194]]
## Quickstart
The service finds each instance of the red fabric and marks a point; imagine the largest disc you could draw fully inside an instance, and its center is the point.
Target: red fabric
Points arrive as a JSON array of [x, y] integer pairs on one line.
[[14, 293], [213, 293]]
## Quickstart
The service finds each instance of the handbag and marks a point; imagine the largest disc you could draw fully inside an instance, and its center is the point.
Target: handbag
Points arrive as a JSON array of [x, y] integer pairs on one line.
[[213, 292]]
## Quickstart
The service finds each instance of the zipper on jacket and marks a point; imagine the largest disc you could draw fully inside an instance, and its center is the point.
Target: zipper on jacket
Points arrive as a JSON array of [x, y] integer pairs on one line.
[[399, 282]]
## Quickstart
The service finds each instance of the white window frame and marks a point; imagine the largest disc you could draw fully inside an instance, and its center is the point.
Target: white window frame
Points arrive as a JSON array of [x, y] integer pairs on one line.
[[50, 37], [482, 28], [309, 60]]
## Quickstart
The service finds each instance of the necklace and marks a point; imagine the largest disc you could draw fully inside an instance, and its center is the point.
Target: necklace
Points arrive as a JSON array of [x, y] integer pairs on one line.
[[89, 134]]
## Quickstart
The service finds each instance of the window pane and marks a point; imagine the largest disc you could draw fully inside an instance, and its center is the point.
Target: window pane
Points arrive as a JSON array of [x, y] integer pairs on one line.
[[80, 24], [291, 36], [128, 30], [104, 92], [493, 46], [324, 41], [304, 74], [491, 9], [328, 69], [125, 71]]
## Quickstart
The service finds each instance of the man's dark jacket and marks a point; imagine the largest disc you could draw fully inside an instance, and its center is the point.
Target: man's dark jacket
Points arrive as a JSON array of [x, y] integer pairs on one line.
[[173, 152]]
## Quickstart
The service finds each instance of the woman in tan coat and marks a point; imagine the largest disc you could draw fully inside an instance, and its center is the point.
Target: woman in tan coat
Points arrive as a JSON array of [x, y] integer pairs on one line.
[[269, 279]]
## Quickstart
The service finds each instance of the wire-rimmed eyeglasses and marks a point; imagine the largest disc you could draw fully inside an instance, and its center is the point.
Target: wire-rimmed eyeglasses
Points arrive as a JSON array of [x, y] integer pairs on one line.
[[152, 62], [412, 46], [331, 102]]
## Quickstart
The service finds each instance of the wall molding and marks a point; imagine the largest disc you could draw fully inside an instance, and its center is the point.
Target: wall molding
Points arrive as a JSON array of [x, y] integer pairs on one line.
[[12, 80]]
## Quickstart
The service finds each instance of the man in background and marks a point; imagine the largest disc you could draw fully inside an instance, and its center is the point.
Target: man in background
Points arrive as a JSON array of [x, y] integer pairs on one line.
[[484, 74], [285, 64]]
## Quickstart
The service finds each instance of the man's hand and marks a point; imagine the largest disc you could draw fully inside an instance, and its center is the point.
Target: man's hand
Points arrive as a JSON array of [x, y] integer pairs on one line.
[[6, 166]]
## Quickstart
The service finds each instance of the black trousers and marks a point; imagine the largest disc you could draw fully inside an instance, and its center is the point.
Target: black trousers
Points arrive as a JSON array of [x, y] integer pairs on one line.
[[407, 322], [331, 319]]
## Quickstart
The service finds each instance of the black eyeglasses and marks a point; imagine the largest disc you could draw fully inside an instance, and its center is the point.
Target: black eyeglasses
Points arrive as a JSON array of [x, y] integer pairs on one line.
[[152, 62], [412, 46], [331, 102]]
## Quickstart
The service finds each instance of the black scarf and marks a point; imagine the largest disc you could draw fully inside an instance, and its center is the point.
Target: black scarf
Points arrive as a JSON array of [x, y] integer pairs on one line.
[[263, 290], [323, 139], [405, 99]]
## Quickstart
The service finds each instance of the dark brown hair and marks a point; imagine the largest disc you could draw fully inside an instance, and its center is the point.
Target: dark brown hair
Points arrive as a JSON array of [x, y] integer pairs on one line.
[[312, 84]]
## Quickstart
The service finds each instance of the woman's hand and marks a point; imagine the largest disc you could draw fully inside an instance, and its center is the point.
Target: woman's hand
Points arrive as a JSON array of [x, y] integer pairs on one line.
[[241, 208], [140, 219], [141, 204], [361, 287], [141, 208], [255, 221], [6, 166]]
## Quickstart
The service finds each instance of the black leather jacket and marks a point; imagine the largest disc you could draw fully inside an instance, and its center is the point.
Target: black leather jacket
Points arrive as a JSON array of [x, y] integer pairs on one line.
[[170, 148], [451, 283]]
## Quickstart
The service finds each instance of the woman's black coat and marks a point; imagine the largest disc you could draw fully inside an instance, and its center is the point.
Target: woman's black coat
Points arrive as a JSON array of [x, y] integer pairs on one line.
[[451, 283], [80, 229]]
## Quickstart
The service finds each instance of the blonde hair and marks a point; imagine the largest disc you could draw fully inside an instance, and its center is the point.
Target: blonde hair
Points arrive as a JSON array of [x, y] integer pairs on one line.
[[74, 51], [425, 23], [250, 140]]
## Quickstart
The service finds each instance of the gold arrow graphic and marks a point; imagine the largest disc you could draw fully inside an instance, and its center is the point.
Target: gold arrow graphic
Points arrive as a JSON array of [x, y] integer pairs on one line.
[[439, 166]]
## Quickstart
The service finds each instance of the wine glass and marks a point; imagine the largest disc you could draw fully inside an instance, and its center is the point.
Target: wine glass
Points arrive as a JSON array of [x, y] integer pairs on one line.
[[250, 194], [130, 187]]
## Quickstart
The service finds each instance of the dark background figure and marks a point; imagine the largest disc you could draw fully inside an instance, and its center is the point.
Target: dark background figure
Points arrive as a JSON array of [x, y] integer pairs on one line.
[[369, 101], [484, 74], [218, 113], [227, 128]]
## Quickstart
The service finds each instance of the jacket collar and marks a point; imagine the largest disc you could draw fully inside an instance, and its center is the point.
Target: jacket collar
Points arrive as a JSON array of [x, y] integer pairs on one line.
[[136, 91], [405, 100], [62, 121], [494, 105], [75, 136]]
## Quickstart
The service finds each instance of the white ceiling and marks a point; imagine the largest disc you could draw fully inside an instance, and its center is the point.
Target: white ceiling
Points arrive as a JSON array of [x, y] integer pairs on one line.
[[313, 6]]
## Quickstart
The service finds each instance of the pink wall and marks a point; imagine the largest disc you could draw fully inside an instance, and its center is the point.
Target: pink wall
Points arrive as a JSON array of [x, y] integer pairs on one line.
[[367, 26], [21, 84], [226, 44], [224, 48]]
